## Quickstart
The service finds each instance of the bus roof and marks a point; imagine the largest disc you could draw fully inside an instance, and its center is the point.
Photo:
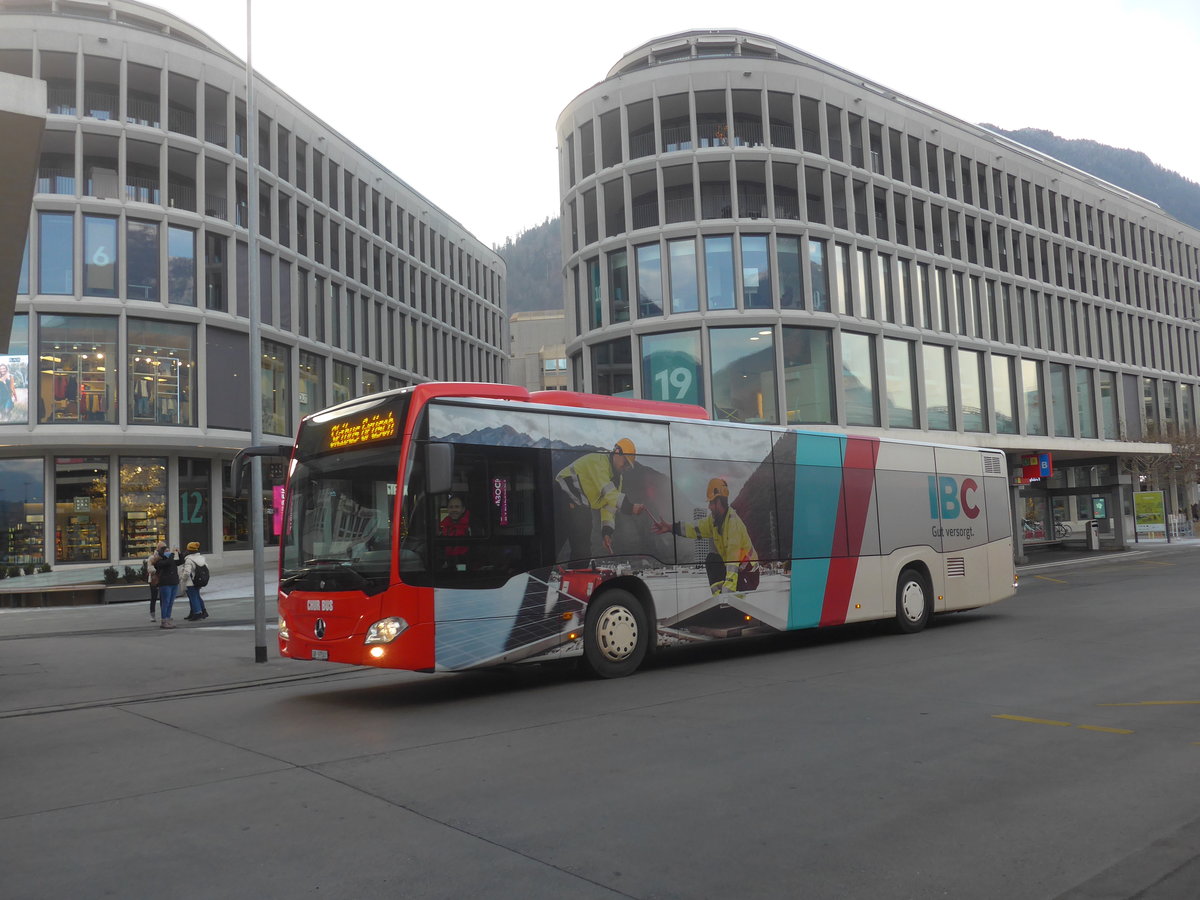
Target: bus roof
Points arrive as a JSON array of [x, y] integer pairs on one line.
[[422, 393]]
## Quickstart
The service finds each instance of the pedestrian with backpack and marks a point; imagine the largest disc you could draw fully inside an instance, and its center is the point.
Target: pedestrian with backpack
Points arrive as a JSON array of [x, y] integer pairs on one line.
[[193, 575]]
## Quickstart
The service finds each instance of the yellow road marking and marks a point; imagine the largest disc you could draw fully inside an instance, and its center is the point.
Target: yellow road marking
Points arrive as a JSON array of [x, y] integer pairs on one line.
[[1150, 562], [1034, 721], [1156, 703], [1063, 724], [1048, 578]]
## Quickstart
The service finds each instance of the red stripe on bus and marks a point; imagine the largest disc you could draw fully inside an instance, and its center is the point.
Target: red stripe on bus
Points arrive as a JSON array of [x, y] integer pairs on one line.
[[858, 482]]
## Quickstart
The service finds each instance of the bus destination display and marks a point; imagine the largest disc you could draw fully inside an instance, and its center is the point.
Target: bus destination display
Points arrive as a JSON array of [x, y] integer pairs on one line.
[[377, 427]]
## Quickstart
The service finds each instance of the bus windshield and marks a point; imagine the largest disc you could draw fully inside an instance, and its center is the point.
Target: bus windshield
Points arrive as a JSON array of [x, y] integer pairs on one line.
[[337, 533], [339, 529]]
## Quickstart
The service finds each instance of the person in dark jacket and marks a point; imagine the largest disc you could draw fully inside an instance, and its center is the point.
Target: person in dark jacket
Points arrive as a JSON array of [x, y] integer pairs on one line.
[[168, 584], [152, 576]]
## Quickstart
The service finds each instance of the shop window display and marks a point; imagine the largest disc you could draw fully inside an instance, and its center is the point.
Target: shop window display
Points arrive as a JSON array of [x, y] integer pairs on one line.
[[162, 367], [77, 371], [81, 508], [143, 504], [14, 375], [22, 512]]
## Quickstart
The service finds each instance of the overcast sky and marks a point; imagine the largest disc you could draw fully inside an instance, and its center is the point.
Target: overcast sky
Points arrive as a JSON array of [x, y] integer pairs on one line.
[[460, 98]]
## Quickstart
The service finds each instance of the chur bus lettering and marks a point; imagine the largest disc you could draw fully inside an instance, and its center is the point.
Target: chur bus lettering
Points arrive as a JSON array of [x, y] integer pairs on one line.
[[456, 526]]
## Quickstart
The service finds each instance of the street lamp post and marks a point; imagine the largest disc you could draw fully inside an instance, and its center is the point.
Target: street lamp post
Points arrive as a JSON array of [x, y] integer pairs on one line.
[[256, 480]]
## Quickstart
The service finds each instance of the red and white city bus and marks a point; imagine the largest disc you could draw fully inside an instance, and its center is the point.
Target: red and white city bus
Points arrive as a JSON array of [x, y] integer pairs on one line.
[[454, 526]]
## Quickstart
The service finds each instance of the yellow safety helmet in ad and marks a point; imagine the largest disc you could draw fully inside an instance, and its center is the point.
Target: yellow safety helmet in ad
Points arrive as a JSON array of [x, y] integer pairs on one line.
[[717, 487], [626, 448]]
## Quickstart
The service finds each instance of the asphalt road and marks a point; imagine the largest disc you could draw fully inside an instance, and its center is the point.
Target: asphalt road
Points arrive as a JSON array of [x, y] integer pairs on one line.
[[1045, 747]]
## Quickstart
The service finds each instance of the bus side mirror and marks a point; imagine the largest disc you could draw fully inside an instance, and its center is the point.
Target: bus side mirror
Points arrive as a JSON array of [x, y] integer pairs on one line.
[[242, 459], [440, 458]]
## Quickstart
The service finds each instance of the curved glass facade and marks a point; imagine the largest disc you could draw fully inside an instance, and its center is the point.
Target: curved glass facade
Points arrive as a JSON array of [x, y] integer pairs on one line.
[[131, 329], [830, 253]]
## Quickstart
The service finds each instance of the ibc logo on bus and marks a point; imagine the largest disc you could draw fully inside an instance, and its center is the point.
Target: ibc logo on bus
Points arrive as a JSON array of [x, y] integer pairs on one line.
[[950, 498]]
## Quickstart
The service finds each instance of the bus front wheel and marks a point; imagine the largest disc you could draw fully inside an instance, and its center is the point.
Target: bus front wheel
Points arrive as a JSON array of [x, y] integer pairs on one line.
[[913, 602], [616, 636]]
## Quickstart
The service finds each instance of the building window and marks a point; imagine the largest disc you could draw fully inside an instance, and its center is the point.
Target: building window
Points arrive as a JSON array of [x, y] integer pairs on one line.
[[649, 280], [718, 272], [671, 367], [77, 358], [756, 272], [970, 368], [612, 368], [899, 371], [1108, 405], [743, 374], [81, 508], [844, 299], [56, 242], [1004, 393], [593, 280], [791, 276], [343, 382], [141, 259], [312, 383], [685, 296], [618, 286], [820, 274], [888, 300], [14, 375], [216, 272], [23, 278], [23, 515], [808, 375], [865, 308], [181, 266], [162, 366], [99, 256], [1035, 408], [1085, 399], [1060, 399], [939, 376], [858, 379], [276, 403], [143, 504]]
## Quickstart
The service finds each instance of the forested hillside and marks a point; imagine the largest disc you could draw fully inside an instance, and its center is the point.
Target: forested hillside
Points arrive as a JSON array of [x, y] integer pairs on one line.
[[1129, 169], [534, 260]]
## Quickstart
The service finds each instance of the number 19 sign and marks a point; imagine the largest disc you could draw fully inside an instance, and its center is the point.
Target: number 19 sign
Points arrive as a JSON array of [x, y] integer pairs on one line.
[[672, 375]]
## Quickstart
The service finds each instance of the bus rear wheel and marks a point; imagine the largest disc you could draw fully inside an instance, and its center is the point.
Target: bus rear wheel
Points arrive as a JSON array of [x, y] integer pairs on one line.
[[913, 602], [617, 634]]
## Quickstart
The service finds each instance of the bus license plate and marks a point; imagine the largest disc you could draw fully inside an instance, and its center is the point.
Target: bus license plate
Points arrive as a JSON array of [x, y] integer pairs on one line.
[[320, 654]]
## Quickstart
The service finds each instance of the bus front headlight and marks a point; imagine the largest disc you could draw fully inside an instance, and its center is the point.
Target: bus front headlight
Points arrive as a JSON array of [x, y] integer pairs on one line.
[[283, 629], [386, 630]]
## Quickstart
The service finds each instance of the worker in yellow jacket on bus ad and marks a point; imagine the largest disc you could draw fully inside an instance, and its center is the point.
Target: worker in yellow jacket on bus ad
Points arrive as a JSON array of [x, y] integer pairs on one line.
[[594, 482], [733, 564]]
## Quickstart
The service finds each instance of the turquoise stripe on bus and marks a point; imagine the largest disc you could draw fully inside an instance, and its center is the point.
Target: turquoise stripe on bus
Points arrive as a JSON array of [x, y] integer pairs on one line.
[[815, 505]]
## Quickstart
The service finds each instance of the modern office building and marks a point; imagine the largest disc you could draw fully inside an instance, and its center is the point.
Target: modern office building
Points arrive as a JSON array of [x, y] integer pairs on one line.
[[537, 350], [130, 345], [753, 229]]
